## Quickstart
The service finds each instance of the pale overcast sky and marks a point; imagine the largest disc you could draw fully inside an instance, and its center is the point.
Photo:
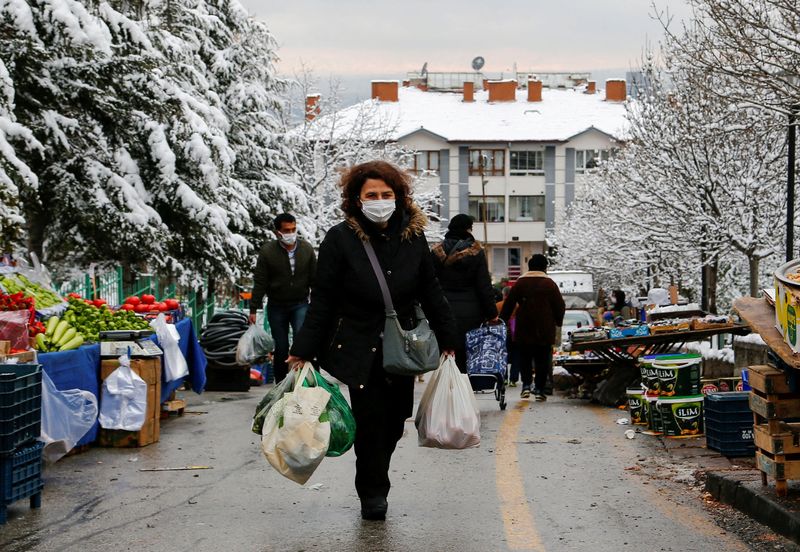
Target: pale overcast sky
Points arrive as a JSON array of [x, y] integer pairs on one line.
[[357, 37]]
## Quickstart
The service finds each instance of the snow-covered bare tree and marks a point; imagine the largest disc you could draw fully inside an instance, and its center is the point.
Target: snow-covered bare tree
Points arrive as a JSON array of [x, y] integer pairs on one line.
[[332, 138], [699, 178]]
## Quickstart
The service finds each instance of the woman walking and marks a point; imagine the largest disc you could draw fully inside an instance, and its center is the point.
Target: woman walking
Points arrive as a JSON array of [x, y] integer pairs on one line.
[[343, 326], [460, 264]]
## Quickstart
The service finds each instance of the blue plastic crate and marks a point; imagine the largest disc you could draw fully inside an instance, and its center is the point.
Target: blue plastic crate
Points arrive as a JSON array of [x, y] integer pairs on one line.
[[20, 405], [732, 444], [21, 477]]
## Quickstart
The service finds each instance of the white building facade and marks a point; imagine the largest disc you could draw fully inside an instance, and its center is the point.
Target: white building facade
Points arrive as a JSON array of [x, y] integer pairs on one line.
[[522, 148]]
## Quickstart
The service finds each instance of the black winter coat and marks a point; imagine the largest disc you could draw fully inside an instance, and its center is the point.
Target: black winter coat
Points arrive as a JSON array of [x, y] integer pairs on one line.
[[343, 326], [464, 276]]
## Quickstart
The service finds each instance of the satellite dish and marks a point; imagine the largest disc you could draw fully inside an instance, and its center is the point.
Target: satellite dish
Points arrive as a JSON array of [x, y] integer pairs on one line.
[[424, 71], [478, 62]]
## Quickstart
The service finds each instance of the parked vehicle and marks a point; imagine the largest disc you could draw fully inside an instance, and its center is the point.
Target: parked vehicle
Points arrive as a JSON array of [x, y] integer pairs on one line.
[[573, 320]]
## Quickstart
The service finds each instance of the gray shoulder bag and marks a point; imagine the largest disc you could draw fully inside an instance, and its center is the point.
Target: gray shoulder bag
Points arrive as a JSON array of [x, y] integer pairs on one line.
[[405, 352]]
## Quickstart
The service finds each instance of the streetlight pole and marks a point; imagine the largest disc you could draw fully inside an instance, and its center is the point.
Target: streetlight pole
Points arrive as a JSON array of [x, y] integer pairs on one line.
[[790, 140], [481, 165]]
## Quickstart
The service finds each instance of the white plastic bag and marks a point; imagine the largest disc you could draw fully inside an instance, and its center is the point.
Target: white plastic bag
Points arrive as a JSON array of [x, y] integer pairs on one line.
[[123, 402], [253, 346], [175, 366], [448, 415], [294, 439], [66, 417]]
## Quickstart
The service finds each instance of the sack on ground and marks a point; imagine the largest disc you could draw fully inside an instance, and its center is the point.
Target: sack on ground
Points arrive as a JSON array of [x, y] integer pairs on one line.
[[295, 434], [448, 415], [343, 423], [269, 401], [123, 400], [175, 366], [254, 346], [66, 417]]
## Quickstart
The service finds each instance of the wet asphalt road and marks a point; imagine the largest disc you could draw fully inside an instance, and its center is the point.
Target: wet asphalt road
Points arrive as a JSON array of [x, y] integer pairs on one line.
[[547, 477]]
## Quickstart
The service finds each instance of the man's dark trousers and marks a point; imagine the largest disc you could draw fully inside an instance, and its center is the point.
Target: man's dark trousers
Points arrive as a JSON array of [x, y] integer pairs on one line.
[[280, 318]]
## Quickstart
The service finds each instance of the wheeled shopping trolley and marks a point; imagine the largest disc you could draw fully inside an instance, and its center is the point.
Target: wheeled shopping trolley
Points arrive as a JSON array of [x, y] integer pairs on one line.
[[487, 360]]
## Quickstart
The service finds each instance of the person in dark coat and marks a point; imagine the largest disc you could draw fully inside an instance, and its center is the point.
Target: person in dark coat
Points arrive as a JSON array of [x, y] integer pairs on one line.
[[462, 270], [540, 313], [345, 320]]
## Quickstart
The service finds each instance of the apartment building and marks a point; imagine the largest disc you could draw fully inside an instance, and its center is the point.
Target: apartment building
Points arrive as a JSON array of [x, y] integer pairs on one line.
[[510, 154]]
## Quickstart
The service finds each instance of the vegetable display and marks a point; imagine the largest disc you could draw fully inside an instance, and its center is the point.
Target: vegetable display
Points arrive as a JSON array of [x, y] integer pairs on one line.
[[58, 336], [17, 283], [90, 320]]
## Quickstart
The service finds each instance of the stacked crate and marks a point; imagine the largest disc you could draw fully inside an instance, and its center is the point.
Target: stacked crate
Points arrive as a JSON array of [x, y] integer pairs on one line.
[[777, 438], [20, 426], [729, 423]]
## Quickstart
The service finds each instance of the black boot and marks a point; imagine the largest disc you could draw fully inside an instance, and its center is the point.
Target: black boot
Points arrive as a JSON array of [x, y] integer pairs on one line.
[[374, 509]]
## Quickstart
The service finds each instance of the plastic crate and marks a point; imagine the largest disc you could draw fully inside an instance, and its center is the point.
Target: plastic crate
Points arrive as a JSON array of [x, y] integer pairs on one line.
[[20, 405], [731, 443], [731, 401], [21, 477]]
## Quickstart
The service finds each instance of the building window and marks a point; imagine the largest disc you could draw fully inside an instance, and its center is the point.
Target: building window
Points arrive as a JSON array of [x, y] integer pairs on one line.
[[494, 162], [526, 209], [426, 162], [526, 162], [495, 208], [589, 159]]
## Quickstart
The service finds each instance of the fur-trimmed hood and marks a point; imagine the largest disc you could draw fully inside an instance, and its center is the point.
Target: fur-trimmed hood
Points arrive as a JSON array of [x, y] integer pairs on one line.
[[413, 224], [474, 249]]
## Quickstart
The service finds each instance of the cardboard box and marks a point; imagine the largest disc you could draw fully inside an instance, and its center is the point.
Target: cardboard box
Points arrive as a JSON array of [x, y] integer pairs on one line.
[[787, 305], [5, 347], [149, 369]]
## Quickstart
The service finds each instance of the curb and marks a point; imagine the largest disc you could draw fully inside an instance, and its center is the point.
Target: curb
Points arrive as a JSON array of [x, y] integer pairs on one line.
[[758, 506]]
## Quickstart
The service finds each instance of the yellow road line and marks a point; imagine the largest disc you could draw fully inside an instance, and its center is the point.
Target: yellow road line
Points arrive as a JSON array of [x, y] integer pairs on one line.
[[521, 532]]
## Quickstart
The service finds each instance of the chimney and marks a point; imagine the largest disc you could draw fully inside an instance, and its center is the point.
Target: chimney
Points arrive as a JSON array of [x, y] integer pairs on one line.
[[591, 87], [534, 90], [485, 84], [312, 106], [616, 90], [385, 91], [469, 91], [502, 91]]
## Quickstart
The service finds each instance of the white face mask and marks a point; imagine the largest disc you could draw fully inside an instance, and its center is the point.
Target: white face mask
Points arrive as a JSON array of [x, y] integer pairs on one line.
[[378, 210], [288, 239]]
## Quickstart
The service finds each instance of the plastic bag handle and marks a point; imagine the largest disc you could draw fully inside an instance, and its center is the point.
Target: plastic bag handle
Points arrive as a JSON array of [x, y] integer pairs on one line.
[[304, 374]]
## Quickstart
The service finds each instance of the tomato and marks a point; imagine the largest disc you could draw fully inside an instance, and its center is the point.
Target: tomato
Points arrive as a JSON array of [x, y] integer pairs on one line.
[[148, 299], [141, 308], [88, 302], [126, 307], [172, 304], [132, 300], [162, 307], [99, 302], [75, 295]]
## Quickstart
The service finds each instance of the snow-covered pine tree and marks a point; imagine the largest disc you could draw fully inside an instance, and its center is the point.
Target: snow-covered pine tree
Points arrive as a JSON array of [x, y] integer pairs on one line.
[[68, 84]]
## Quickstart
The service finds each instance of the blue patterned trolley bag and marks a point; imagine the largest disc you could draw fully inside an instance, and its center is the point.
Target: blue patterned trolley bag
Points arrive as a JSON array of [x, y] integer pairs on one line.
[[487, 360]]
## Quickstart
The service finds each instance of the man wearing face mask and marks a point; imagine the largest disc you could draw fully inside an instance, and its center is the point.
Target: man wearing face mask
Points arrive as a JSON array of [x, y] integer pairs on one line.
[[285, 273]]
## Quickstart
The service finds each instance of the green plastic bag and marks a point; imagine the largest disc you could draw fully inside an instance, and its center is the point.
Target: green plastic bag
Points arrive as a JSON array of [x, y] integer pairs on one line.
[[343, 423]]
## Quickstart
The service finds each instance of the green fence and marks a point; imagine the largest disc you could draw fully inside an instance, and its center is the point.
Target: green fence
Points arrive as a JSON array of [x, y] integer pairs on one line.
[[109, 285]]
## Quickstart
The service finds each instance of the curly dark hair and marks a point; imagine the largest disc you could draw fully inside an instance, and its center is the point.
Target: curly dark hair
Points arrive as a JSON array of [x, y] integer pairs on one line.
[[354, 178]]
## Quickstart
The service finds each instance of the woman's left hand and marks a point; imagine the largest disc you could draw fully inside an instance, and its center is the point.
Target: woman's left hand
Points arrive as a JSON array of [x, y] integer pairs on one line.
[[449, 352]]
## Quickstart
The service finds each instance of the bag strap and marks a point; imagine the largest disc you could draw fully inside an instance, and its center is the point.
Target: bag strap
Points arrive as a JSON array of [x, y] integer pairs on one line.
[[376, 267]]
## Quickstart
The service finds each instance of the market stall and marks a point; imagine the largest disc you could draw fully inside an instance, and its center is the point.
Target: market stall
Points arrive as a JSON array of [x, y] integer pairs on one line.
[[622, 354]]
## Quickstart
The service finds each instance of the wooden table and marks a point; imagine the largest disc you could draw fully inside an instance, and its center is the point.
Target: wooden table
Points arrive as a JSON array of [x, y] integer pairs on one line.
[[760, 315], [627, 350]]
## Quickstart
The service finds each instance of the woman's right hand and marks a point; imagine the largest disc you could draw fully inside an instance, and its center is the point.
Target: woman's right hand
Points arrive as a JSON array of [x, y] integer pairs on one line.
[[252, 318], [295, 362]]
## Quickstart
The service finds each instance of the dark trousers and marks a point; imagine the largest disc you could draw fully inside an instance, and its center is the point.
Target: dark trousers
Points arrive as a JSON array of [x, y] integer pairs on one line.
[[540, 356], [380, 408], [280, 318], [513, 358]]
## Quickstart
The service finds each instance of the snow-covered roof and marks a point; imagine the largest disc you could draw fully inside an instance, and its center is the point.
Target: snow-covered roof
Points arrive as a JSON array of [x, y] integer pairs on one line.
[[561, 115]]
